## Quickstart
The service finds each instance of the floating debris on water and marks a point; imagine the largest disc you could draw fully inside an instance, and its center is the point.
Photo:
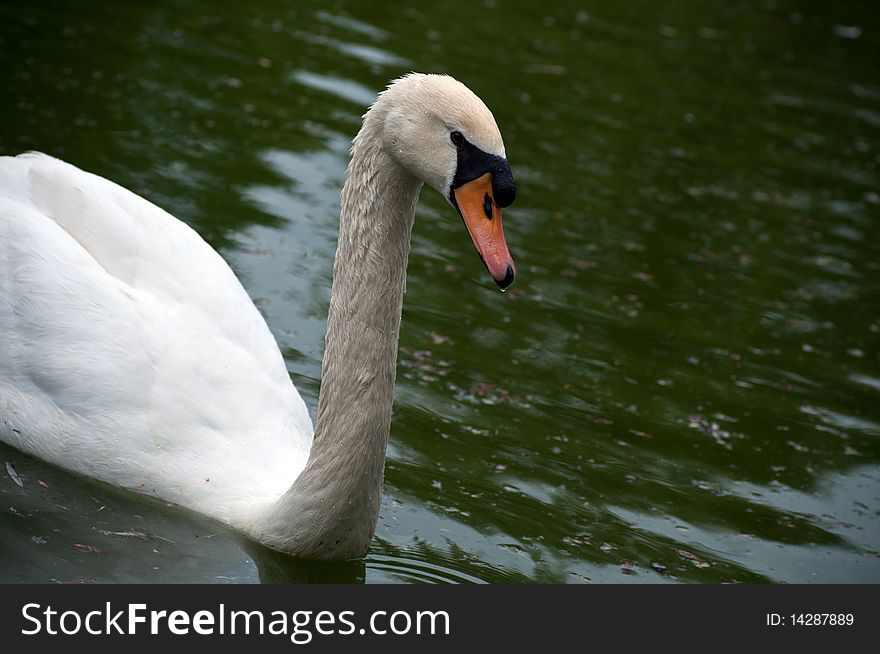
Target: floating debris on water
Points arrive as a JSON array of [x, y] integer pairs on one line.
[[13, 475], [125, 534], [90, 549], [486, 393], [712, 428], [659, 567], [690, 556]]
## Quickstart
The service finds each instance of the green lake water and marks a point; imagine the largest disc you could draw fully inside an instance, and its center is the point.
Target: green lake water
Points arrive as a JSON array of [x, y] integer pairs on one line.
[[683, 385]]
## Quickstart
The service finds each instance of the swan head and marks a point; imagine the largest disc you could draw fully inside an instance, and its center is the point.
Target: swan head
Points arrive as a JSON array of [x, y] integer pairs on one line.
[[442, 133]]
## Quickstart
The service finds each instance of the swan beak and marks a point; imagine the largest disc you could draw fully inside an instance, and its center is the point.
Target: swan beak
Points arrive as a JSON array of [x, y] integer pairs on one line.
[[482, 217]]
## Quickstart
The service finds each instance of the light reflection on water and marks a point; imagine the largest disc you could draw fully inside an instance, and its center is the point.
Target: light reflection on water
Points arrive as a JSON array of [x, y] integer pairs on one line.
[[683, 384]]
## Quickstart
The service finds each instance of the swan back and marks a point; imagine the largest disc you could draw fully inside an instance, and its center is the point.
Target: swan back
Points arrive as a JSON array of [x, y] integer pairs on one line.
[[130, 351]]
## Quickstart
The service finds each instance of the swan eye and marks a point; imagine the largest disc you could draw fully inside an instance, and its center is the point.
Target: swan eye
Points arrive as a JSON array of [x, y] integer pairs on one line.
[[457, 138]]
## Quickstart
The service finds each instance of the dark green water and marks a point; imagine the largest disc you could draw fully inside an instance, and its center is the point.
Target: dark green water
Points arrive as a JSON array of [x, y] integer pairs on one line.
[[682, 386]]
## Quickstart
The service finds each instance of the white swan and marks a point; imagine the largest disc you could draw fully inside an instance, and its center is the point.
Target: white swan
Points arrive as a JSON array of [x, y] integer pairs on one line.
[[129, 351]]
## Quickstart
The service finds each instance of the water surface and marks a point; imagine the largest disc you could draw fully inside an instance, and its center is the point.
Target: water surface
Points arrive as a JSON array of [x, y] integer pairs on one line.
[[682, 386]]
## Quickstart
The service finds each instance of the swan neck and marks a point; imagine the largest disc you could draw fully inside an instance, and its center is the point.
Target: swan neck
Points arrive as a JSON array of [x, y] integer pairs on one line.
[[332, 508]]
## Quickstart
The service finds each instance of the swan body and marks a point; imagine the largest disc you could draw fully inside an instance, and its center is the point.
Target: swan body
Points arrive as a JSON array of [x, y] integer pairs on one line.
[[130, 352]]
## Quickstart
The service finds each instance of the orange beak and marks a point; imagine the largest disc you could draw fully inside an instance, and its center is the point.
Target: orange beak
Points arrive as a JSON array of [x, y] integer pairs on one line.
[[482, 217]]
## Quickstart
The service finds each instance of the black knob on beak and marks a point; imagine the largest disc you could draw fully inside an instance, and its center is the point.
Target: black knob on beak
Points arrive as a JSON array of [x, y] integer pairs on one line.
[[503, 186]]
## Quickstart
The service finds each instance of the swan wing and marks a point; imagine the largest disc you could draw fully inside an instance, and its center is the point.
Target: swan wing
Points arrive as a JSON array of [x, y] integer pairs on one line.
[[130, 352]]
